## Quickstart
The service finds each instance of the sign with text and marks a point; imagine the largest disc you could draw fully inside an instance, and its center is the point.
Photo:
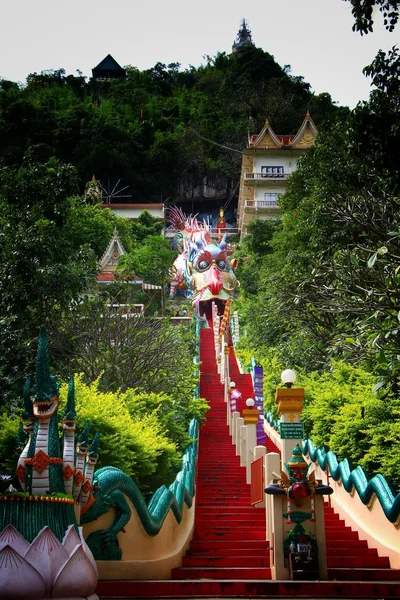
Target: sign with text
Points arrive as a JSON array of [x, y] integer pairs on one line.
[[291, 431]]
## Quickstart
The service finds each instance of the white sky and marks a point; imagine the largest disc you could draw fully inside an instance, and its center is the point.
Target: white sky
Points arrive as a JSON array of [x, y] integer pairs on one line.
[[313, 36]]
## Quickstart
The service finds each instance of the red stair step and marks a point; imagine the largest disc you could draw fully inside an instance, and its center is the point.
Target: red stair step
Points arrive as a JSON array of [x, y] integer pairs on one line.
[[222, 573], [236, 560]]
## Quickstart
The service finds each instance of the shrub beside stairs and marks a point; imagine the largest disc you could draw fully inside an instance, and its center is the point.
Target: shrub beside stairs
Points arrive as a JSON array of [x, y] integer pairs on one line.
[[228, 556]]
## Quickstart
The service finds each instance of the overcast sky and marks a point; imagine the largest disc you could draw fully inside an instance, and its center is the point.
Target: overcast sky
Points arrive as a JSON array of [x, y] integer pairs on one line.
[[313, 36]]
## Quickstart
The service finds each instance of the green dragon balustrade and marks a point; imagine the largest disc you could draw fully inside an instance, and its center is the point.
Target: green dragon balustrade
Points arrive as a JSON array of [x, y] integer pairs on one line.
[[57, 484]]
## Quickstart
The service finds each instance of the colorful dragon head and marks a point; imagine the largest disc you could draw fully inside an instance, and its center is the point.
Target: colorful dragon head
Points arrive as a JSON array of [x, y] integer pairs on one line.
[[212, 276], [203, 268]]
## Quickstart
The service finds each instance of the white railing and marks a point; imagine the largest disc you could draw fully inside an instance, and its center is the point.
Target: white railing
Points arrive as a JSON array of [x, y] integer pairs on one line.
[[263, 176], [229, 230], [257, 204], [214, 231]]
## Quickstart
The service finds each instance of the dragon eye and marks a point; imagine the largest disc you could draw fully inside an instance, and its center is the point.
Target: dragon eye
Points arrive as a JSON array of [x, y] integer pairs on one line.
[[203, 264], [221, 264]]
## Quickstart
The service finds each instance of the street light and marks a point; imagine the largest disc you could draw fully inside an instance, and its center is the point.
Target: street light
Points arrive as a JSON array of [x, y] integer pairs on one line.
[[250, 402], [288, 377]]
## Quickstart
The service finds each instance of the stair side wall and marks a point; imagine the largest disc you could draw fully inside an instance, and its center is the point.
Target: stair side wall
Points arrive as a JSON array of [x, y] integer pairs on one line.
[[369, 521], [144, 556]]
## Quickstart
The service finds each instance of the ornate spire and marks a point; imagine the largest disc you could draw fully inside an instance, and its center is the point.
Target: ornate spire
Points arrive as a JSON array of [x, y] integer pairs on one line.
[[243, 38], [46, 385], [83, 439]]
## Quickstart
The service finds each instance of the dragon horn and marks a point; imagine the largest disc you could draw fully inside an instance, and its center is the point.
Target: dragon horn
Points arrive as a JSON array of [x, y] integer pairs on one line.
[[200, 244], [46, 386], [222, 244], [69, 411], [28, 412]]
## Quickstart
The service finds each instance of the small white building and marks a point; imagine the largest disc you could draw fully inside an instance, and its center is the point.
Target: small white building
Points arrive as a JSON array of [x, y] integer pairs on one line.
[[267, 162], [132, 211]]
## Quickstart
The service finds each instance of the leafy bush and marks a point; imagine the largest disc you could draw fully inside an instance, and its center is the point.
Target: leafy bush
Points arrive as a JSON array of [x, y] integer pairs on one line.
[[341, 412], [8, 446], [141, 434]]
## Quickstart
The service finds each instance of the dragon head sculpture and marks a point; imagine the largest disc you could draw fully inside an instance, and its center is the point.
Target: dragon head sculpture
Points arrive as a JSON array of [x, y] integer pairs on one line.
[[212, 276], [203, 270]]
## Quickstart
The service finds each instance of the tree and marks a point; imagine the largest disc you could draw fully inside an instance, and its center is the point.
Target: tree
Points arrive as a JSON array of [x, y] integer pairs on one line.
[[121, 349], [151, 261], [362, 11], [49, 243], [146, 225]]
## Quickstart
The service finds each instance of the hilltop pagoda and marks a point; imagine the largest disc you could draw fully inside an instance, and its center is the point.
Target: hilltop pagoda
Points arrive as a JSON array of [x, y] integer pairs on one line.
[[243, 38]]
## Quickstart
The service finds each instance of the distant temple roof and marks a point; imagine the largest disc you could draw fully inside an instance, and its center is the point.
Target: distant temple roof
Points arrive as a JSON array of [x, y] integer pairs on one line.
[[108, 68], [268, 139], [243, 38]]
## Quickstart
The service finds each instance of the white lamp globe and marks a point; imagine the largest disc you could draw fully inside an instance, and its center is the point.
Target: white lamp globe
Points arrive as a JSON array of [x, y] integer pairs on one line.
[[232, 384], [250, 403], [288, 376]]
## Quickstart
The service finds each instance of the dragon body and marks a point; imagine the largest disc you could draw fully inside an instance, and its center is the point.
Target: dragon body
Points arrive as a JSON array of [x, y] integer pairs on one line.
[[112, 487]]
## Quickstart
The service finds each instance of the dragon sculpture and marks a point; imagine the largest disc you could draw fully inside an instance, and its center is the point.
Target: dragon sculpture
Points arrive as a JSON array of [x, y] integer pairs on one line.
[[42, 550], [203, 270], [52, 480]]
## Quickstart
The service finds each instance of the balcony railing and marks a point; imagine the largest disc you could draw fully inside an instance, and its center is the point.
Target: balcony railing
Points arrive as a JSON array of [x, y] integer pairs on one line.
[[265, 176], [261, 204]]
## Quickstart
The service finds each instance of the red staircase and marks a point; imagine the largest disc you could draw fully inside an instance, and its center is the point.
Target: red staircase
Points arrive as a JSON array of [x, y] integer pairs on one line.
[[228, 556], [229, 536], [349, 558]]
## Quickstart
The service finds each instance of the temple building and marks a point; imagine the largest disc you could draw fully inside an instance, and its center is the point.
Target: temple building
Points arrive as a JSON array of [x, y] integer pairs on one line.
[[267, 162], [108, 265], [108, 69], [243, 38]]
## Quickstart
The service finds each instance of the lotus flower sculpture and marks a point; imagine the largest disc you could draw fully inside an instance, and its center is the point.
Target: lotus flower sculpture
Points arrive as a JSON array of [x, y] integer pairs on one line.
[[46, 568]]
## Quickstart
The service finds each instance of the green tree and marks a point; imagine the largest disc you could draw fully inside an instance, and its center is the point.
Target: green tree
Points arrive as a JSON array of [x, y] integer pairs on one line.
[[122, 349], [363, 13], [49, 243]]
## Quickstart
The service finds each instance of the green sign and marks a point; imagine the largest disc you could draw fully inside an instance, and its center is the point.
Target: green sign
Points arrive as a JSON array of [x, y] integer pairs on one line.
[[291, 431]]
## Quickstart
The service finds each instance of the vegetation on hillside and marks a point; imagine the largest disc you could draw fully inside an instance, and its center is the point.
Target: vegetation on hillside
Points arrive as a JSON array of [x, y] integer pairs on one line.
[[321, 287], [157, 130]]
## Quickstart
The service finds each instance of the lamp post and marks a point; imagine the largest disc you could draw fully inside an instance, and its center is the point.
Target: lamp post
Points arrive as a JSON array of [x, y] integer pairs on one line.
[[288, 377]]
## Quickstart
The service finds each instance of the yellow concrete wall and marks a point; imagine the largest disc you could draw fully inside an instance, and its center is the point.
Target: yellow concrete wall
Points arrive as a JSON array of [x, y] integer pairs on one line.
[[144, 556]]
